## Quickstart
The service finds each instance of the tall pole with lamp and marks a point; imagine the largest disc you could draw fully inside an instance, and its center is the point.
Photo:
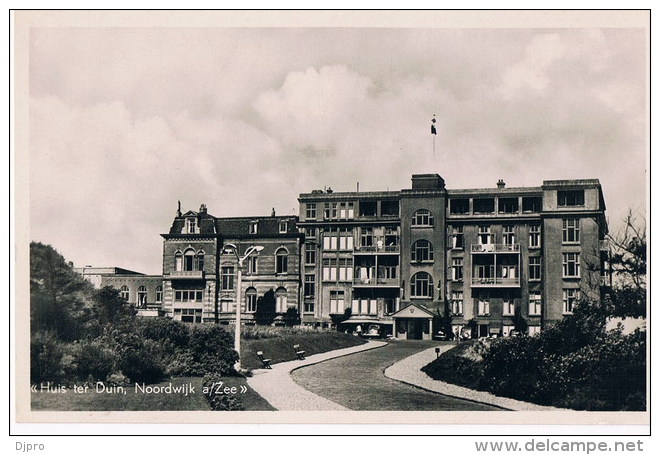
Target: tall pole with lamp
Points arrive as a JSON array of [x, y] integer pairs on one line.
[[237, 329]]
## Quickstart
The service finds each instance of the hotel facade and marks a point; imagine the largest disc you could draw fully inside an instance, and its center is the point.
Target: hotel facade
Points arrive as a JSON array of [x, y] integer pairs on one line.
[[397, 259]]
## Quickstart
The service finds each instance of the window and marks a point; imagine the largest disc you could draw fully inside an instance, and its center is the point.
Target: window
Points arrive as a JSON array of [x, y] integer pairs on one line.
[[227, 275], [159, 294], [330, 211], [345, 239], [457, 269], [391, 238], [330, 269], [310, 286], [251, 265], [570, 230], [570, 198], [308, 306], [571, 265], [310, 253], [330, 239], [282, 261], [345, 269], [508, 307], [457, 303], [189, 296], [422, 217], [485, 272], [459, 206], [280, 300], [189, 260], [389, 306], [189, 315], [191, 225], [421, 285], [310, 211], [483, 306], [336, 302], [389, 208], [485, 205], [484, 236], [254, 225], [142, 297], [422, 250], [346, 210], [178, 261], [571, 296], [535, 303], [456, 241], [250, 300], [200, 261], [531, 204], [366, 236], [364, 306], [507, 329], [310, 232], [283, 227], [534, 268], [508, 205], [533, 330], [535, 236], [367, 208], [124, 293], [226, 306], [508, 235]]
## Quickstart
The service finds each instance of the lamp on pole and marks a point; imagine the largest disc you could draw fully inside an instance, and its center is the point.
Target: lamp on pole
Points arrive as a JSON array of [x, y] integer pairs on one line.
[[237, 329]]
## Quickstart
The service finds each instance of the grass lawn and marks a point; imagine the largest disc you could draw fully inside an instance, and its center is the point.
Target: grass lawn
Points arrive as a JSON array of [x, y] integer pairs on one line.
[[280, 348], [454, 368], [132, 401]]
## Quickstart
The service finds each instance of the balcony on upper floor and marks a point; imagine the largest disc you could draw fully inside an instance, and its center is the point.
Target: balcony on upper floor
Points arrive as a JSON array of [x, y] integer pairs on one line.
[[187, 274], [377, 248], [497, 282], [495, 248]]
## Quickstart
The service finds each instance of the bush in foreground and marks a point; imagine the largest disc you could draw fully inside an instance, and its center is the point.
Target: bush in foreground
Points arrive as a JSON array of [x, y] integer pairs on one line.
[[219, 401]]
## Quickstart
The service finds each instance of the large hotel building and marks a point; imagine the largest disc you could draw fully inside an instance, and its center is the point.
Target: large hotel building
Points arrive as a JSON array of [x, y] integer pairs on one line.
[[396, 259]]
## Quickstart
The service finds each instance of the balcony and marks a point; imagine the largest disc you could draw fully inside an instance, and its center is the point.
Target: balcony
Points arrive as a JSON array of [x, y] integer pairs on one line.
[[376, 282], [495, 282], [187, 274], [495, 248], [377, 249]]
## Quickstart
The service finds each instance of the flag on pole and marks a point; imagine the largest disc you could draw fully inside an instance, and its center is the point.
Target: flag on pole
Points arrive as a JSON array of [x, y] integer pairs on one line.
[[433, 131]]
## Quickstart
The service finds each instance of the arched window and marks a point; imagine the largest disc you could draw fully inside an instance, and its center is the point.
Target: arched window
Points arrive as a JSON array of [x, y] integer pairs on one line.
[[178, 261], [124, 293], [422, 250], [142, 297], [280, 296], [200, 261], [282, 261], [422, 217], [159, 294], [189, 260], [421, 285], [250, 300]]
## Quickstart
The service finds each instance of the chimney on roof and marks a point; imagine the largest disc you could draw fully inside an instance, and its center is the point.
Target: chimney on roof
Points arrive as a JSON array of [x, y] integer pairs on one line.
[[202, 209], [272, 212], [501, 184], [329, 190], [178, 209]]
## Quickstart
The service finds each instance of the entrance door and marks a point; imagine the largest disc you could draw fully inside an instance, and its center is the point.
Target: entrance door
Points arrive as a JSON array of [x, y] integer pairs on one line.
[[415, 328]]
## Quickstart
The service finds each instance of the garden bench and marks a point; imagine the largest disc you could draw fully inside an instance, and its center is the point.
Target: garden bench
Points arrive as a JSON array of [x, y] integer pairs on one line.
[[299, 353], [264, 361]]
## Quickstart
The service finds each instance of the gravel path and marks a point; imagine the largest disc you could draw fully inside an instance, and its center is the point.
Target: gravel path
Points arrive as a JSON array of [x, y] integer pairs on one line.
[[357, 382], [279, 389], [408, 371]]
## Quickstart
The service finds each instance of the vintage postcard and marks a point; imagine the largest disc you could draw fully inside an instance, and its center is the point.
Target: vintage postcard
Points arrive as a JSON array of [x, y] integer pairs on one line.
[[428, 217]]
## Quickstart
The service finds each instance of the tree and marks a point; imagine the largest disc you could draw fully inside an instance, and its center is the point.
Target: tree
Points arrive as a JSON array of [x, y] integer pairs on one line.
[[442, 320], [113, 309], [627, 295], [291, 317], [265, 312]]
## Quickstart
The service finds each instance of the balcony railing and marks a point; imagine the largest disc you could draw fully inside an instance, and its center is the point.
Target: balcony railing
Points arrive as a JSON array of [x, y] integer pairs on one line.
[[187, 274], [495, 282], [377, 249], [375, 282], [495, 248]]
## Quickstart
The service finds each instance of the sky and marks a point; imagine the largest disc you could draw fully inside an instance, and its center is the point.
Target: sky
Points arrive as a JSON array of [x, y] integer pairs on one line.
[[124, 122]]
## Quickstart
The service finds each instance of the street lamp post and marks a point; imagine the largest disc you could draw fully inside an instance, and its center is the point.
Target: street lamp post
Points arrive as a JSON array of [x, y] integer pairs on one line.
[[237, 329]]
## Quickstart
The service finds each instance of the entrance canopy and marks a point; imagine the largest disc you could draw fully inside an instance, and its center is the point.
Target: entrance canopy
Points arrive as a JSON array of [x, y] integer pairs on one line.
[[413, 311]]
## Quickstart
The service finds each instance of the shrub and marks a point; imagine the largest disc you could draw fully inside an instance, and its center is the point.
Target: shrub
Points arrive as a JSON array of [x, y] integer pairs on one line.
[[93, 359], [173, 332], [212, 349], [140, 360], [219, 402], [46, 353]]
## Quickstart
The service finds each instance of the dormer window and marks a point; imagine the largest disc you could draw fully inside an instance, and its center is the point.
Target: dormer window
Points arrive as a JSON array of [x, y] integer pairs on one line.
[[191, 225], [253, 227], [283, 227]]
